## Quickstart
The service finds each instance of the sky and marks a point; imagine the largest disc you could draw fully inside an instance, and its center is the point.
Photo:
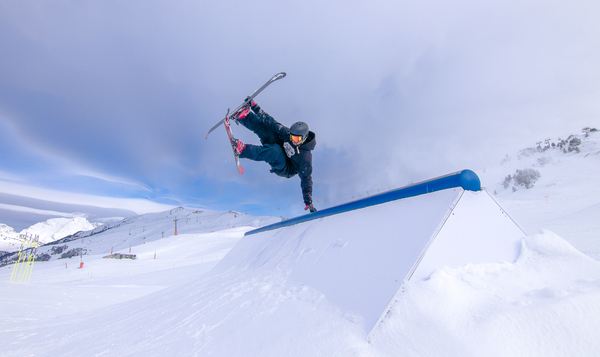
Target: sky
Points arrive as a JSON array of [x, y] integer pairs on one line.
[[113, 99]]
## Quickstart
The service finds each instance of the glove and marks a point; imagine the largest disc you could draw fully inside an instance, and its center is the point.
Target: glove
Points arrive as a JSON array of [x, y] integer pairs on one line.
[[251, 102], [311, 208]]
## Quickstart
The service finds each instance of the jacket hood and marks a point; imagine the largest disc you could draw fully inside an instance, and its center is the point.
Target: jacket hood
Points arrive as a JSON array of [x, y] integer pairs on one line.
[[310, 143]]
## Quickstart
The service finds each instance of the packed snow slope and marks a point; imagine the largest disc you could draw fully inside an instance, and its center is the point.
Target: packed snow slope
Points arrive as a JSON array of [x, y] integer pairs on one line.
[[178, 304]]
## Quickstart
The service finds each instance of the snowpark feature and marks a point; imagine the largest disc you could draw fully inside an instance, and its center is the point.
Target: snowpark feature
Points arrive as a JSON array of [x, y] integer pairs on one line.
[[359, 254], [544, 304]]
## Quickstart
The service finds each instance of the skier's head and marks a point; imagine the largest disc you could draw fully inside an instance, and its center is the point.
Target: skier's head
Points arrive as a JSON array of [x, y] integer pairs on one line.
[[298, 132]]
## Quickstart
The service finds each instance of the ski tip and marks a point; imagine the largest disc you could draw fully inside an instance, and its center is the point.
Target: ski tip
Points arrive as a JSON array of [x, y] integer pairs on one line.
[[241, 170]]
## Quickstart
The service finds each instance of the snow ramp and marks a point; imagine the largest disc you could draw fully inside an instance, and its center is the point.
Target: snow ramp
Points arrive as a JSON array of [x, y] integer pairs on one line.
[[359, 254]]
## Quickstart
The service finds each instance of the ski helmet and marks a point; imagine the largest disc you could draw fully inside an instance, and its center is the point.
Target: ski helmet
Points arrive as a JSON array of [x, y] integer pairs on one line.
[[299, 130]]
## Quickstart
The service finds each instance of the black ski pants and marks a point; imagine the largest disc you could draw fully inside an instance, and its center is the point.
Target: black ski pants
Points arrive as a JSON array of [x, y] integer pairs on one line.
[[269, 152]]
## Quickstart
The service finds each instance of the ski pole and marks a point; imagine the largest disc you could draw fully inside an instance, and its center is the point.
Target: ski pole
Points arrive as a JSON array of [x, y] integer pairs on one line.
[[23, 262], [36, 243], [18, 258]]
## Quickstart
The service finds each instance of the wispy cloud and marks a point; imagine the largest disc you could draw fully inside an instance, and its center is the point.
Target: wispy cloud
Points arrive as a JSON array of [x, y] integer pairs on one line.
[[137, 205], [42, 212]]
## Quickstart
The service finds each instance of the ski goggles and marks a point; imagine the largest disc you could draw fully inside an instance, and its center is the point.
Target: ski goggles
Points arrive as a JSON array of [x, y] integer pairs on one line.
[[296, 138]]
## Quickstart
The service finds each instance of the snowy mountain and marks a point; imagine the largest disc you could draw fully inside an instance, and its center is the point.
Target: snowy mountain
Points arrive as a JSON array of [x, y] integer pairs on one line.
[[9, 239], [554, 185], [57, 228], [133, 231], [172, 301], [48, 231]]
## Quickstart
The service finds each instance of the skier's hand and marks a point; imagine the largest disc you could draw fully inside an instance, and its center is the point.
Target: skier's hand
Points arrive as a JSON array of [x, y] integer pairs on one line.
[[250, 101], [311, 208]]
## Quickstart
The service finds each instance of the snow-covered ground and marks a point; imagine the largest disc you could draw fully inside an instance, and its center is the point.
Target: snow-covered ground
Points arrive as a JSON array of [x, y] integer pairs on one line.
[[171, 302]]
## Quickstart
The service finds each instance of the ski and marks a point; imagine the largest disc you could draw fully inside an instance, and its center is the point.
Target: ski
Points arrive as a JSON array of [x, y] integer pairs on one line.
[[230, 134], [247, 101]]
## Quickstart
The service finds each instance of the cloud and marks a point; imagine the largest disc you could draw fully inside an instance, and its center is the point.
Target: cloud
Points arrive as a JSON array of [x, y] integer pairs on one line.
[[396, 91], [139, 206], [36, 211]]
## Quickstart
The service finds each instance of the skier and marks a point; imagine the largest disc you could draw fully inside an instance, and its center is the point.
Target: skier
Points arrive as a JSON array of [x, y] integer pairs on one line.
[[288, 151]]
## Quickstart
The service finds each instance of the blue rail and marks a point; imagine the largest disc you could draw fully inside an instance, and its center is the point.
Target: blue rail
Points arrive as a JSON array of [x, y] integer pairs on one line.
[[466, 179]]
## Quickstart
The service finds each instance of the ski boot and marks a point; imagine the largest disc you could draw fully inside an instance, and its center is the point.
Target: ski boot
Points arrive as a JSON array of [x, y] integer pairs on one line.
[[240, 114], [238, 146]]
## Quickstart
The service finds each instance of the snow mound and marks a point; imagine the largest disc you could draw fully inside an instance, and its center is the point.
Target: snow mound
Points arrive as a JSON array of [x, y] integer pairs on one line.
[[545, 304]]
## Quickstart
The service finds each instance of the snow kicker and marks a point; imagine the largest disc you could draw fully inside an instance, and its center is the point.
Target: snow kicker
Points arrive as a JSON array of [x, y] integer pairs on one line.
[[359, 254]]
